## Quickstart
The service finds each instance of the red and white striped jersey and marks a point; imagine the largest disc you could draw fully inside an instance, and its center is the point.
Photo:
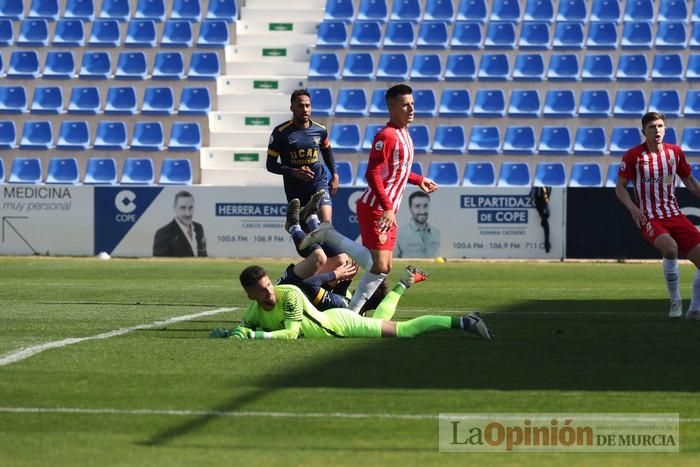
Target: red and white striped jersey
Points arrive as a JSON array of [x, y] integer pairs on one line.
[[654, 178], [389, 168]]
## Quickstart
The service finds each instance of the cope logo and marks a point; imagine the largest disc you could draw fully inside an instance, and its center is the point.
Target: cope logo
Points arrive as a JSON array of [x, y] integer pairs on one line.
[[124, 202]]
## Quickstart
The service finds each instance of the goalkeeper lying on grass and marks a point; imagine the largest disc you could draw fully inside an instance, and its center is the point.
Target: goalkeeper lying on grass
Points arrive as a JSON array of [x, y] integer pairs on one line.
[[284, 312]]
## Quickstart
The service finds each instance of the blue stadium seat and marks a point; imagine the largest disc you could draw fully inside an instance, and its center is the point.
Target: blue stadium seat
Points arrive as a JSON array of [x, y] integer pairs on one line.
[[371, 131], [366, 35], [46, 9], [460, 67], [342, 10], [351, 102], [36, 135], [559, 103], [63, 170], [500, 36], [632, 67], [695, 167], [47, 100], [611, 178], [594, 103], [142, 33], [159, 100], [695, 15], [345, 137], [360, 177], [479, 173], [514, 174], [524, 103], [639, 10], [602, 35], [137, 171], [528, 67], [59, 65], [372, 10], [151, 9], [550, 174], [426, 67], [586, 175], [73, 135], [170, 66], [444, 173], [131, 65], [629, 103], [417, 168], [623, 139], [84, 100], [406, 10], [177, 33], [539, 10], [121, 100], [665, 101], [692, 104], [424, 103], [563, 67], [344, 171], [449, 139], [8, 136], [324, 66], [636, 35], [175, 172], [519, 140], [692, 73], [7, 34], [33, 33], [185, 136], [25, 170], [690, 141], [572, 10], [392, 67], [590, 141], [24, 64], [321, 98], [13, 99], [420, 134], [432, 35], [505, 10], [605, 10], [213, 33], [489, 103], [357, 66], [110, 135], [197, 101], [399, 35], [80, 9], [332, 34], [673, 10], [568, 36], [189, 10], [670, 36], [439, 10], [223, 9], [484, 140], [95, 65], [378, 107], [694, 42], [115, 9], [667, 67], [466, 36], [670, 136], [534, 35], [148, 136], [554, 140], [100, 171], [13, 9], [204, 66], [105, 33], [69, 33], [455, 103], [471, 10], [597, 67]]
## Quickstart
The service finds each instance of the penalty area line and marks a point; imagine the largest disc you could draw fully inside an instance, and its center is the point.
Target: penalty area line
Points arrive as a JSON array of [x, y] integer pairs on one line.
[[22, 354]]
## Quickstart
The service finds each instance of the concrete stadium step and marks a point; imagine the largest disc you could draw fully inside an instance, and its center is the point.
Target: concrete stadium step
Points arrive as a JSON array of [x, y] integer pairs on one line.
[[259, 85], [276, 68], [246, 121], [261, 53], [282, 14], [232, 158], [258, 102], [239, 139], [278, 30], [240, 177], [272, 40]]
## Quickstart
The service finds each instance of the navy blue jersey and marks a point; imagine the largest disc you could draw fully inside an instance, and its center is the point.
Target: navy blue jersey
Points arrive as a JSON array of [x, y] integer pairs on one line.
[[321, 298]]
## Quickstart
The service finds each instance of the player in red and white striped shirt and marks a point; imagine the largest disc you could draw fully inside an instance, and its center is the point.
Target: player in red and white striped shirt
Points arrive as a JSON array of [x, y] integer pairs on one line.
[[653, 167]]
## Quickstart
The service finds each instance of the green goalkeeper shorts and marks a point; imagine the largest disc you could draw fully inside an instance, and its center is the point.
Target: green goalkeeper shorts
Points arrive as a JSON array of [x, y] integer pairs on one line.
[[349, 324]]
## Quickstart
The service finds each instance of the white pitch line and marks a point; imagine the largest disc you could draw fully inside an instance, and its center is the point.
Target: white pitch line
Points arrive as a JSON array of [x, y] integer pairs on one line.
[[221, 413], [23, 354]]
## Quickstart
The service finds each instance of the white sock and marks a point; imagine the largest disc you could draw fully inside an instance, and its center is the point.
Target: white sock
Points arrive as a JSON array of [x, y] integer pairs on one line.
[[356, 251], [672, 275], [695, 301], [368, 284], [312, 222]]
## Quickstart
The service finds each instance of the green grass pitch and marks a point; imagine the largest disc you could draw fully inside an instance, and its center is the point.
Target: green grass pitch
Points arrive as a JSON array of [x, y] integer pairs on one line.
[[571, 337]]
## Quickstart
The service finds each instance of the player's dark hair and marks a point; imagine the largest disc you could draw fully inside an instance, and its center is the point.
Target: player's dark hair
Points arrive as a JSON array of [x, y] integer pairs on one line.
[[182, 194], [373, 302], [651, 116], [299, 92], [397, 90], [417, 194], [252, 274]]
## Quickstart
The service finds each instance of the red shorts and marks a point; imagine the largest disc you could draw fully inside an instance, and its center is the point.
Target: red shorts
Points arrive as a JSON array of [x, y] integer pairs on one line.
[[368, 218], [679, 228]]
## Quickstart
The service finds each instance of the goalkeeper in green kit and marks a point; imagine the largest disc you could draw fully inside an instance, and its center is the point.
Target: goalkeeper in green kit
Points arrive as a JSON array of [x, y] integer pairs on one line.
[[284, 312]]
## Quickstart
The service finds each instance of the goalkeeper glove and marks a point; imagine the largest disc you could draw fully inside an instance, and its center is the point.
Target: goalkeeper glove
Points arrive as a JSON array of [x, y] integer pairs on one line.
[[242, 332], [219, 333]]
